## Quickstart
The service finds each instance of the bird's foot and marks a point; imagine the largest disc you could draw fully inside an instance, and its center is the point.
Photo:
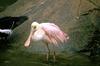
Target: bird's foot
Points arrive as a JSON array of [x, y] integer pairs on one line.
[[48, 56]]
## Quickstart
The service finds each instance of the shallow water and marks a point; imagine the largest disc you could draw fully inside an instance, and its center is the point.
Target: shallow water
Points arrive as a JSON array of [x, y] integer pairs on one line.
[[18, 57]]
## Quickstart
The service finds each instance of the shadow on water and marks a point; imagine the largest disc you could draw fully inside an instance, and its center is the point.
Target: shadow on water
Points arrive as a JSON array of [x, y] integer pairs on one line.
[[4, 5]]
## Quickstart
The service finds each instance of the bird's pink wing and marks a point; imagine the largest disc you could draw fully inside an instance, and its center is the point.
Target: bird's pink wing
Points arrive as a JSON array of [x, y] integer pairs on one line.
[[54, 33]]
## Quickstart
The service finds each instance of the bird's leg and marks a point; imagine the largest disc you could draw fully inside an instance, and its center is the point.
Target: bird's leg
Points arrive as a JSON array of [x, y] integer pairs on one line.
[[47, 57], [54, 54]]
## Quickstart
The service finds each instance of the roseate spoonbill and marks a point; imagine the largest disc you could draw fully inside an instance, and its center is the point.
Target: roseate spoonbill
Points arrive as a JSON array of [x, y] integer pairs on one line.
[[49, 33], [8, 23]]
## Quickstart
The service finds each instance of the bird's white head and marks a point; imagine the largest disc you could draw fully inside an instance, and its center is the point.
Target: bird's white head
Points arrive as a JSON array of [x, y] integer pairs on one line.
[[35, 26]]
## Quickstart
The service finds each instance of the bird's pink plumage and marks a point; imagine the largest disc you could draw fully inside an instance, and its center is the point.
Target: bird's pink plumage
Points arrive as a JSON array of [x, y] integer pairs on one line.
[[54, 33]]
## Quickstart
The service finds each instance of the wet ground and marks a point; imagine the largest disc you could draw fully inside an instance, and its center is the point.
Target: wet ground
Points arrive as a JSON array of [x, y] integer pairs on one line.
[[63, 13]]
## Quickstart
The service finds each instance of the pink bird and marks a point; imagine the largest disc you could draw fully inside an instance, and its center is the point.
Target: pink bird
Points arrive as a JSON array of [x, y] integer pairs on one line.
[[49, 33]]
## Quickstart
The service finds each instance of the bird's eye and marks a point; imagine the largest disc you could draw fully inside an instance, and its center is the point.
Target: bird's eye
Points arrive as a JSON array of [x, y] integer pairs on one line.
[[34, 27]]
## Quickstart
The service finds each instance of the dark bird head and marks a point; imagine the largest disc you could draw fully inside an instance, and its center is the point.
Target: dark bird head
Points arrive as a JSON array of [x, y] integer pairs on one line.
[[11, 22], [7, 24]]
